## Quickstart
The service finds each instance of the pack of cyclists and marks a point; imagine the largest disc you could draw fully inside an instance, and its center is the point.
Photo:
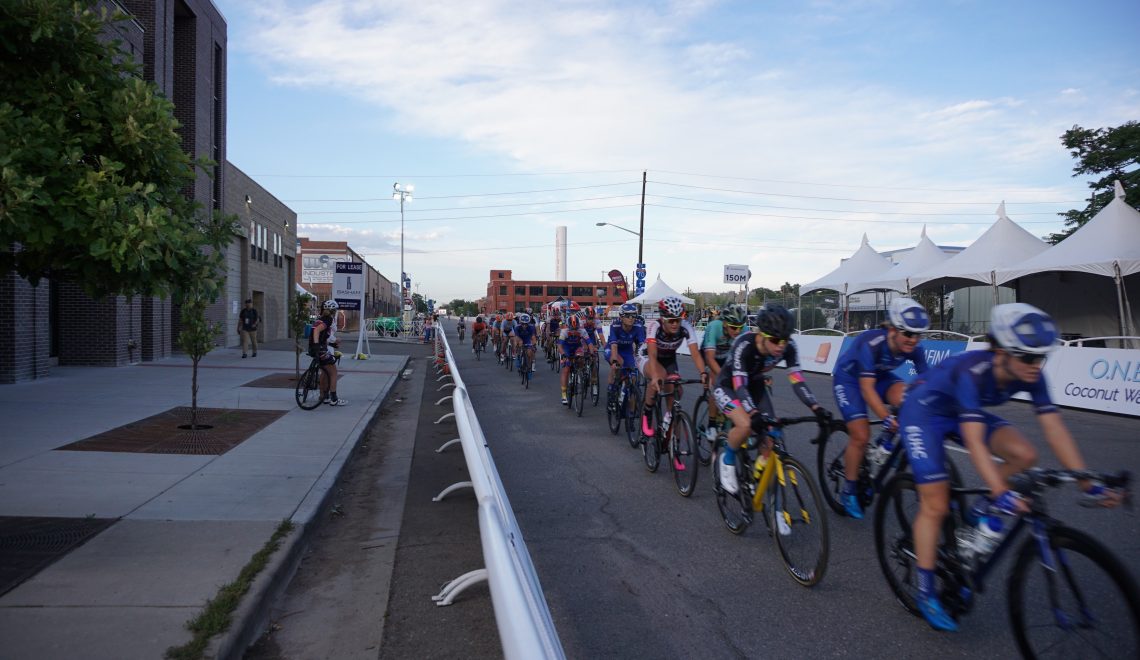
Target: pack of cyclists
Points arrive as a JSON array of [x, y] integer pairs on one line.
[[944, 402]]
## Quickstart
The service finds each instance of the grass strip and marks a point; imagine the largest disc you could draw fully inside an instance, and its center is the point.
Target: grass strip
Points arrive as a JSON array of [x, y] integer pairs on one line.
[[215, 617]]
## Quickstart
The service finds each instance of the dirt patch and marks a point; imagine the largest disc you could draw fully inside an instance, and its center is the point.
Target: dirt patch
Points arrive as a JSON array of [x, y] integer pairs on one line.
[[162, 433]]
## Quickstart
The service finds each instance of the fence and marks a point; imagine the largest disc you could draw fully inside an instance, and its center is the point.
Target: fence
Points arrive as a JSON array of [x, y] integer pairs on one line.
[[526, 629]]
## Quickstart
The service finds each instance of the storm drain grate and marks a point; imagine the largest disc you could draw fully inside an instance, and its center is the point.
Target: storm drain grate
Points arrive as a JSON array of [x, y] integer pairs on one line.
[[29, 545], [161, 433]]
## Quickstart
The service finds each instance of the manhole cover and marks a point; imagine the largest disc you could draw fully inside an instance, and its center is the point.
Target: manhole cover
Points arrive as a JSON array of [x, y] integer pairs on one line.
[[29, 545]]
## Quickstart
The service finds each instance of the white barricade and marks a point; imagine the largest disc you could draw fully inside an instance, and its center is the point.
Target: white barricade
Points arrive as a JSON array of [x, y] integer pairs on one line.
[[526, 629]]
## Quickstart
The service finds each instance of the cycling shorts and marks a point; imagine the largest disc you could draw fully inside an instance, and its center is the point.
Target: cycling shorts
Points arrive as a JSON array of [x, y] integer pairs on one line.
[[627, 358], [849, 398], [667, 361], [566, 356], [923, 437], [727, 402]]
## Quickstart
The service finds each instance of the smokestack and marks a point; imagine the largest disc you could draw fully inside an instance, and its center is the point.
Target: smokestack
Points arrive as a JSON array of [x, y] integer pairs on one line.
[[560, 254]]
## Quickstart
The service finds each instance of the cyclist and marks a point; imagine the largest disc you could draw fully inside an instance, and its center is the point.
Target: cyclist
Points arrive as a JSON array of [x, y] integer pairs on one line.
[[478, 333], [625, 337], [524, 336], [865, 379], [572, 340], [658, 356], [461, 327], [507, 327], [319, 343], [949, 399], [742, 389], [719, 335]]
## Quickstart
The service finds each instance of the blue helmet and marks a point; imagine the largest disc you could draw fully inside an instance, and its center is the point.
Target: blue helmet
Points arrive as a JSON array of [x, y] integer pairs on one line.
[[1023, 328], [907, 314], [628, 309]]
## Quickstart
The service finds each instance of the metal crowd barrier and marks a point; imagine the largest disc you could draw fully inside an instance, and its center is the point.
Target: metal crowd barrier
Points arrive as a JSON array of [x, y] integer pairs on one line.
[[521, 614]]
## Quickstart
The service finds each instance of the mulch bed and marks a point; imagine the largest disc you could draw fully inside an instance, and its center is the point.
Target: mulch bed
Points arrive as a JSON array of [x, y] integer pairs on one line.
[[160, 434], [29, 545], [285, 380]]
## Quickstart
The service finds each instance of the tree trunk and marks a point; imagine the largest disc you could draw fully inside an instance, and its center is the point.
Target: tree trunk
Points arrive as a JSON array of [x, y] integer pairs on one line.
[[194, 395]]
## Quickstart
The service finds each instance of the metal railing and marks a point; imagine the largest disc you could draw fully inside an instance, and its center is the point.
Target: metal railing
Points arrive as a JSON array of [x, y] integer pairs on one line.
[[522, 617]]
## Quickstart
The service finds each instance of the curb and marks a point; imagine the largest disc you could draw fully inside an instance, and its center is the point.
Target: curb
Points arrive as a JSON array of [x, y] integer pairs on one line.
[[252, 615]]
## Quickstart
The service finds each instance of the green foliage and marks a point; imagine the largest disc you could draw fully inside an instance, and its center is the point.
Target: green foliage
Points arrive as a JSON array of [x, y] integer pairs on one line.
[[419, 303], [92, 172], [460, 307], [1113, 153], [299, 314]]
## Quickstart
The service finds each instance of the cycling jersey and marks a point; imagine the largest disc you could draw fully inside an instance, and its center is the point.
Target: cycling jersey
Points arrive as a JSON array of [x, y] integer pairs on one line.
[[951, 394], [525, 332], [668, 344], [593, 332], [715, 339], [508, 327], [478, 327], [742, 377], [870, 356], [626, 340]]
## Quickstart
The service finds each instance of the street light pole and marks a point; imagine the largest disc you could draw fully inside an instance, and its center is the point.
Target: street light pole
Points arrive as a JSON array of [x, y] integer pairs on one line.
[[402, 193]]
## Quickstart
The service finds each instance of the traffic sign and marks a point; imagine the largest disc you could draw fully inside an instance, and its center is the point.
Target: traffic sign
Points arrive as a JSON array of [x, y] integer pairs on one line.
[[737, 274]]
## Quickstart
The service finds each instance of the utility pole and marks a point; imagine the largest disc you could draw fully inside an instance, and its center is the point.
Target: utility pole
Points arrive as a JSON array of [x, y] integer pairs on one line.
[[641, 229]]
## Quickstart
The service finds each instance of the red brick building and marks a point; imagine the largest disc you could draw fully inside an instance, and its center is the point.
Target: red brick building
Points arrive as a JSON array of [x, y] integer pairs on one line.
[[315, 267], [511, 295]]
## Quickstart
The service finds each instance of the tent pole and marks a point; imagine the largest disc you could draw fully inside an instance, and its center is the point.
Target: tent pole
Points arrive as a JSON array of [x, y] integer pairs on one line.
[[942, 306], [1122, 305]]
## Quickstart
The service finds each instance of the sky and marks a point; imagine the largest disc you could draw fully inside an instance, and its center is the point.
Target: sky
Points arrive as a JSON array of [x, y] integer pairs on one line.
[[772, 134]]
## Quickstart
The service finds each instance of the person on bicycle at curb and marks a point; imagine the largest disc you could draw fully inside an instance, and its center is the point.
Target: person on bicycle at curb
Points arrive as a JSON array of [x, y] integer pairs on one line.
[[719, 335], [524, 338], [864, 378], [572, 342], [478, 331], [949, 398], [742, 388], [657, 358], [625, 337], [319, 344]]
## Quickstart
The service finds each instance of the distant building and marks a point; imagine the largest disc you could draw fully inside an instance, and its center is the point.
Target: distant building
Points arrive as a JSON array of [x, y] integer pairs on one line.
[[316, 266], [509, 295]]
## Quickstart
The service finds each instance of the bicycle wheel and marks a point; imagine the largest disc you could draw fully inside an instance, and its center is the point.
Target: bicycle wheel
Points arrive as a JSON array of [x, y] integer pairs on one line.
[[595, 383], [894, 540], [800, 519], [524, 370], [632, 414], [703, 439], [830, 469], [683, 452], [309, 387], [571, 389], [583, 389], [650, 450], [735, 510], [1088, 606]]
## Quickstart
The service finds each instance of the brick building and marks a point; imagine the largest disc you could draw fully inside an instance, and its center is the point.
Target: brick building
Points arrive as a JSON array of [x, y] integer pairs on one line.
[[509, 295], [315, 268], [181, 45]]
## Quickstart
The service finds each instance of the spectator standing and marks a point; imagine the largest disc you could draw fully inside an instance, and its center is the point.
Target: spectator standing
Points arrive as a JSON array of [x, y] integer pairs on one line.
[[248, 321]]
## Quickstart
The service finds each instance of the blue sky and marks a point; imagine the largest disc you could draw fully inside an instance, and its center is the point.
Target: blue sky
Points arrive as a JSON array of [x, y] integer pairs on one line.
[[774, 133]]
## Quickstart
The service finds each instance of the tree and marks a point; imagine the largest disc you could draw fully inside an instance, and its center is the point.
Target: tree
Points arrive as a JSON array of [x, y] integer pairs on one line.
[[1111, 152], [299, 314], [419, 303], [92, 172]]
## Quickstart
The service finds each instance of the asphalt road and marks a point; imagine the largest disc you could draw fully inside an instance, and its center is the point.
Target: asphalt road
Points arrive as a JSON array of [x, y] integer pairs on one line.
[[631, 569]]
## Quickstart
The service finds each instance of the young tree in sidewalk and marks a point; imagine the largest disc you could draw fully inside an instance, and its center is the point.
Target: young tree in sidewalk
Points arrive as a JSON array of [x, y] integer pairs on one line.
[[299, 315]]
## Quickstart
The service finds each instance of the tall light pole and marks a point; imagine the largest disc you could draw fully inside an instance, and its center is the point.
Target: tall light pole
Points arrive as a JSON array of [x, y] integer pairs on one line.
[[640, 246], [402, 193]]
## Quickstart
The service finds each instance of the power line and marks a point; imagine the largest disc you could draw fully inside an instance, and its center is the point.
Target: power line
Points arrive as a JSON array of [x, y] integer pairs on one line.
[[435, 176], [469, 217], [824, 185], [465, 208], [845, 199], [802, 217], [797, 208]]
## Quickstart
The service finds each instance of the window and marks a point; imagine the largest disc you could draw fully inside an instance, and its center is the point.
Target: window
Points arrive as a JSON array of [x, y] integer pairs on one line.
[[253, 240], [582, 291], [536, 290], [502, 276], [520, 290], [503, 290], [601, 292], [519, 307], [555, 290]]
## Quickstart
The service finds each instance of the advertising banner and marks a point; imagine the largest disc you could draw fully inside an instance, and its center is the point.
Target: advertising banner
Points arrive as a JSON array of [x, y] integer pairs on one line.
[[348, 284], [818, 353], [936, 351], [1106, 379], [618, 279]]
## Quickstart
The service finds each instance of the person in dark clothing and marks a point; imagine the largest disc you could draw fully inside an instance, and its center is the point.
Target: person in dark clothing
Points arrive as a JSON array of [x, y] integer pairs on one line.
[[248, 321]]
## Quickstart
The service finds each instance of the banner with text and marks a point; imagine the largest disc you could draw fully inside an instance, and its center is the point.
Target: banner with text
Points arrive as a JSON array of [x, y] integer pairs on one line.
[[348, 284], [618, 279]]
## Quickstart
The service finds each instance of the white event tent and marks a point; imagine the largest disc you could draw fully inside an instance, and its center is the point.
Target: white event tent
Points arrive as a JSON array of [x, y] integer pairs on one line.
[[924, 256], [657, 291], [863, 266], [1108, 245], [1004, 242]]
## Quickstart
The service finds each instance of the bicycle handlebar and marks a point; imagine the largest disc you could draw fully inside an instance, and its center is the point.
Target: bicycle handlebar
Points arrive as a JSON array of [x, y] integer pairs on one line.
[[1035, 479]]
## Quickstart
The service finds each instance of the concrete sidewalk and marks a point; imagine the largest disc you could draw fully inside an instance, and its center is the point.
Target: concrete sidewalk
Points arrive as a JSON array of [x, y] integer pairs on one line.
[[181, 526]]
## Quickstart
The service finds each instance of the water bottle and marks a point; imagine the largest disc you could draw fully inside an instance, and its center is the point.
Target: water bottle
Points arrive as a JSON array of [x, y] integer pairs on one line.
[[666, 419], [879, 451]]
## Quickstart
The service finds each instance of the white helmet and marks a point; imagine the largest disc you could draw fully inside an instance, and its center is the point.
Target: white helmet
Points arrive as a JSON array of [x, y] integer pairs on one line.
[[671, 307], [331, 305], [1023, 328], [906, 314], [523, 318]]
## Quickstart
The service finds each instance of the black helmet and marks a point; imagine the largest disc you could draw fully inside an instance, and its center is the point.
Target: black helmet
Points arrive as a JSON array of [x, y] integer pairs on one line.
[[775, 321], [733, 315]]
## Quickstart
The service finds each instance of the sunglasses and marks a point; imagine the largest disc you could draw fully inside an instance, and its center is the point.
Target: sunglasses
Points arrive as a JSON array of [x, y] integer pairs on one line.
[[774, 340], [733, 326], [671, 320], [1028, 358], [910, 335]]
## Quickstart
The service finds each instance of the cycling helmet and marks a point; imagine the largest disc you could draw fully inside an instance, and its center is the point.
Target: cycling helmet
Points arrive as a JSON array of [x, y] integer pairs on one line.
[[573, 322], [1022, 328], [775, 321], [628, 309], [591, 313], [478, 319], [671, 307], [524, 318], [510, 316], [331, 305], [733, 315], [907, 314]]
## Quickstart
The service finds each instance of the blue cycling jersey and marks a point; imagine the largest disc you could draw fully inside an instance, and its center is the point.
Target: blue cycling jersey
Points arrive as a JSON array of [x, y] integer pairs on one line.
[[626, 340], [869, 355], [525, 332], [963, 384]]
